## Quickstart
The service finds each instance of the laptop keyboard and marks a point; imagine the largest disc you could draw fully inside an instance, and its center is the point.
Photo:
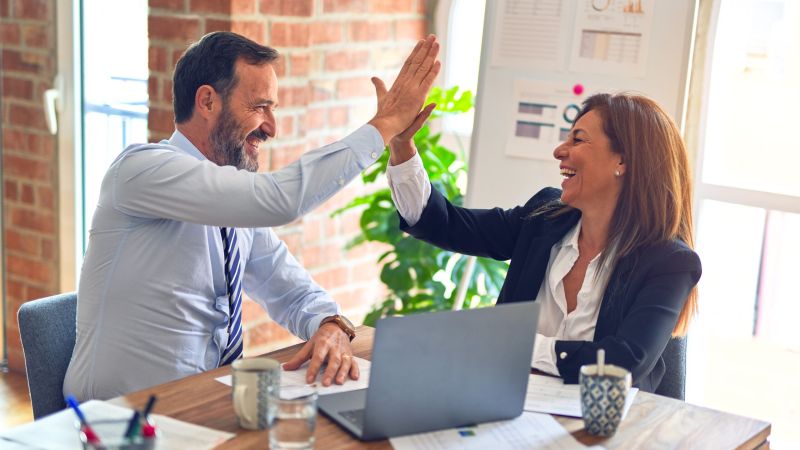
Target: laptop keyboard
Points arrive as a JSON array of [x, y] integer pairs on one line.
[[355, 416]]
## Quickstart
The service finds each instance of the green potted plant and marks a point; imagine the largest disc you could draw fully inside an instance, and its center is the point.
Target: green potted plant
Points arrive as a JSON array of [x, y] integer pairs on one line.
[[419, 276]]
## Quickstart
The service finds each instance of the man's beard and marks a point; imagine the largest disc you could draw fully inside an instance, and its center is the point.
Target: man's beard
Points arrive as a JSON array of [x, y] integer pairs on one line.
[[229, 148]]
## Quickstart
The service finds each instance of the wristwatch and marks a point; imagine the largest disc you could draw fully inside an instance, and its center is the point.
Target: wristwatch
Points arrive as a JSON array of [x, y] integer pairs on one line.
[[343, 323]]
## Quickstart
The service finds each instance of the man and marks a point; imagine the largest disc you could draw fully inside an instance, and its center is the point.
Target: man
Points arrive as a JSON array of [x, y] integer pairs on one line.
[[180, 227]]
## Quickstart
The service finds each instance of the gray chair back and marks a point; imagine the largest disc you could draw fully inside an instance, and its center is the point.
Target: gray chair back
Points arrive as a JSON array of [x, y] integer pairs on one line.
[[47, 329], [674, 382]]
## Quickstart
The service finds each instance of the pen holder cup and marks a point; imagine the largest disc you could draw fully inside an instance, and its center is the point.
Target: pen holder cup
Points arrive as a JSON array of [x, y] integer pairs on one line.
[[111, 436]]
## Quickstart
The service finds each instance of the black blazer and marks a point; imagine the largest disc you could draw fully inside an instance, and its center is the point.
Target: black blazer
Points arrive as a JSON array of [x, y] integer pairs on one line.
[[642, 301]]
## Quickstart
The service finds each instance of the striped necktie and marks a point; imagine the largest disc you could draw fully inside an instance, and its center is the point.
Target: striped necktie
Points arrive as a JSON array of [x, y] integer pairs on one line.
[[234, 283]]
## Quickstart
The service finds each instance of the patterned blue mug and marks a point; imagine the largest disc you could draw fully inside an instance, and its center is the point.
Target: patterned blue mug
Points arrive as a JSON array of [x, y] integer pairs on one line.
[[253, 380], [603, 398]]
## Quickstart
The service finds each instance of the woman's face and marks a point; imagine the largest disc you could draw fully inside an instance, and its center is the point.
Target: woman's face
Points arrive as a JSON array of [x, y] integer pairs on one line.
[[589, 167]]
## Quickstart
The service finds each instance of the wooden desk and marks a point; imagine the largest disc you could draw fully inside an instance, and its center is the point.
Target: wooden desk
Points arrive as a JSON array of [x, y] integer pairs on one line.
[[652, 422]]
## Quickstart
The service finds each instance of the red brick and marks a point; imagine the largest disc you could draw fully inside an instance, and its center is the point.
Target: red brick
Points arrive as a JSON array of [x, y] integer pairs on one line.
[[289, 35], [33, 220], [152, 87], [27, 116], [48, 250], [166, 91], [293, 96], [346, 60], [159, 119], [312, 230], [14, 87], [315, 119], [392, 6], [300, 64], [27, 194], [354, 87], [337, 116], [210, 6], [301, 8], [410, 29], [368, 271], [250, 29], [28, 269], [16, 359], [46, 197], [285, 155], [34, 292], [21, 242], [322, 90], [364, 30], [9, 34], [320, 255], [3, 8], [27, 168], [325, 32], [17, 61], [286, 127], [174, 29], [36, 36], [172, 5], [10, 190], [344, 6], [244, 6], [218, 25], [157, 58], [33, 9], [16, 289]]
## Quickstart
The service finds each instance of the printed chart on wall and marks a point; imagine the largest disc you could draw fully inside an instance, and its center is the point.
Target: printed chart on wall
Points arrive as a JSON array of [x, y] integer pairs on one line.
[[612, 37], [543, 115], [529, 34]]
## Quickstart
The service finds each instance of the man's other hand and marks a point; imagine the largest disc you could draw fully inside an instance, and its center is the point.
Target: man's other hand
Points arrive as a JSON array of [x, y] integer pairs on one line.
[[329, 344]]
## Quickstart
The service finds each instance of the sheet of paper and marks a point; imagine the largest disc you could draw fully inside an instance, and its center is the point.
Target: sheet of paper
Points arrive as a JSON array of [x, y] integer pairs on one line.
[[298, 378], [59, 432], [551, 395], [529, 34], [541, 118], [612, 37], [530, 430]]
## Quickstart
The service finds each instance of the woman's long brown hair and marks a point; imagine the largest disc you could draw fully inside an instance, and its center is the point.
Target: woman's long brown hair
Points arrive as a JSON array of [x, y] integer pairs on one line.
[[655, 204]]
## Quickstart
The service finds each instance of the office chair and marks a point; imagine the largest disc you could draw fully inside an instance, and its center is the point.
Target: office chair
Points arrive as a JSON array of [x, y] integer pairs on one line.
[[674, 382], [47, 330]]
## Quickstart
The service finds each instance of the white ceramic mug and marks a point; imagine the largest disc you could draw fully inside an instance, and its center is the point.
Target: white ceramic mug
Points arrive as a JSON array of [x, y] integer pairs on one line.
[[253, 380]]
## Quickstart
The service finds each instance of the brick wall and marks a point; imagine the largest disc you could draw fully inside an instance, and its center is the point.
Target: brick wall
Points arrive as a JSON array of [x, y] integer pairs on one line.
[[27, 68], [330, 48]]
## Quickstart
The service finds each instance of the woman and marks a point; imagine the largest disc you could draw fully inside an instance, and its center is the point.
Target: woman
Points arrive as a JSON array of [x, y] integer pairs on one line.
[[609, 256]]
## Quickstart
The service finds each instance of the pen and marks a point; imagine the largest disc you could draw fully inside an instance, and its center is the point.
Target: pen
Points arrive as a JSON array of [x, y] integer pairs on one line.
[[91, 437], [150, 402], [133, 425]]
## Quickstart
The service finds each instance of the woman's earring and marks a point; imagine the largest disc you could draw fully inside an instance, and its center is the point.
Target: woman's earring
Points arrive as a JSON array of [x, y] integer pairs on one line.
[[617, 173]]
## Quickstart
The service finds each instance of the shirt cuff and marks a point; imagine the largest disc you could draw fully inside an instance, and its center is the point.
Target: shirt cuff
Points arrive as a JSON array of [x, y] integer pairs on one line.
[[367, 145], [404, 171], [544, 355]]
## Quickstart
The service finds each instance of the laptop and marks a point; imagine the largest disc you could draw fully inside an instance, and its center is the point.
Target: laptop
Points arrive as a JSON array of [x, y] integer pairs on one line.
[[441, 370]]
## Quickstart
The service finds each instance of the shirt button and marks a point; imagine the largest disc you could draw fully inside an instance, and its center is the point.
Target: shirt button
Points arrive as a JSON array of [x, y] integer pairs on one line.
[[374, 155], [341, 182], [563, 355]]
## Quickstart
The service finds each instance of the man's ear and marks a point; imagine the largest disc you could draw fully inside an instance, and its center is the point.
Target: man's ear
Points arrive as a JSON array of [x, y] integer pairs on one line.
[[207, 102]]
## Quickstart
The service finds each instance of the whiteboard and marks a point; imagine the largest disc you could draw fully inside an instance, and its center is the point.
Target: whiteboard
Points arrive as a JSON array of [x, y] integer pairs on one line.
[[571, 43]]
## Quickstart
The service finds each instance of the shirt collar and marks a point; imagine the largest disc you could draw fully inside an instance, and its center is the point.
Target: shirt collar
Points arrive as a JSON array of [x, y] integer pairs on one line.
[[182, 142], [571, 238]]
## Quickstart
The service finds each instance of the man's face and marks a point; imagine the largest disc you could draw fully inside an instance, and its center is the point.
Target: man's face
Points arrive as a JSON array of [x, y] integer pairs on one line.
[[247, 117]]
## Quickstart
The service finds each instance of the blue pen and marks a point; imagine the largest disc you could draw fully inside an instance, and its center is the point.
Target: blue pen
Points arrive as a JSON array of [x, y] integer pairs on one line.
[[87, 430], [150, 402]]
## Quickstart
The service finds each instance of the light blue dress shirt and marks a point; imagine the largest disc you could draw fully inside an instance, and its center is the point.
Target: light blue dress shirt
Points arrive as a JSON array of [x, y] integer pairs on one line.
[[152, 301]]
